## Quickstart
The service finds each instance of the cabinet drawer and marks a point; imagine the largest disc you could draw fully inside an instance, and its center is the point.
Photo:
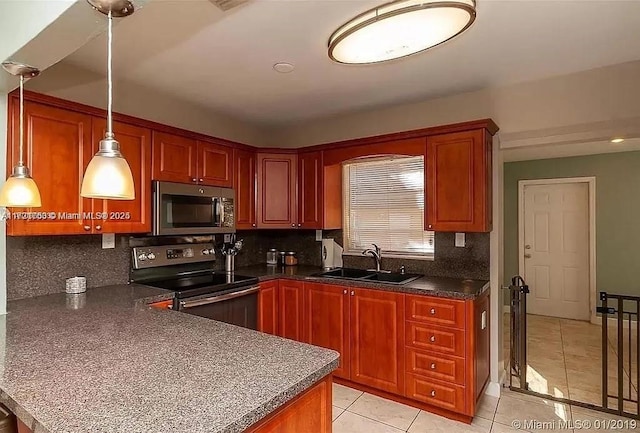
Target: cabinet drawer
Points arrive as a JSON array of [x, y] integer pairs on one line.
[[435, 339], [437, 311], [436, 366], [447, 396]]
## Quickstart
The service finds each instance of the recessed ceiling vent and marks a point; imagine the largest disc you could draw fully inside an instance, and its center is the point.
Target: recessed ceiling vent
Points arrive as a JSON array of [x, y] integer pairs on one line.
[[226, 5]]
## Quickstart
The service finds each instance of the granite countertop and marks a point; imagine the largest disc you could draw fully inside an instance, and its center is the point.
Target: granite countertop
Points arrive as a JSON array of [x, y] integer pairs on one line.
[[457, 288], [105, 362]]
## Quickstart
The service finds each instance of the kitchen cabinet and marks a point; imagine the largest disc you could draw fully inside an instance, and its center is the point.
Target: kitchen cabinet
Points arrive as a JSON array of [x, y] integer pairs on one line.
[[268, 307], [57, 149], [458, 184], [185, 160], [245, 186], [126, 216], [277, 190], [215, 164], [326, 321], [291, 309], [310, 184], [174, 158], [377, 341]]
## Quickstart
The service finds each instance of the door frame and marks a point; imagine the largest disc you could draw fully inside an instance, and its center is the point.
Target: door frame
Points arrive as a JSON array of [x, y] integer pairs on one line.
[[591, 184]]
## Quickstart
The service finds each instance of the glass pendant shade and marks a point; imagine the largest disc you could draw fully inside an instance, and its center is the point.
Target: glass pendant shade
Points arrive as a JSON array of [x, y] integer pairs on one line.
[[20, 191], [399, 29], [108, 175]]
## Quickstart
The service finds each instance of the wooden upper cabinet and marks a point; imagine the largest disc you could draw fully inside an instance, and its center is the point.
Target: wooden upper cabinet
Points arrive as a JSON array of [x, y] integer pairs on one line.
[[458, 182], [326, 321], [215, 165], [290, 309], [377, 339], [57, 149], [277, 190], [245, 187], [127, 216], [174, 158], [310, 184]]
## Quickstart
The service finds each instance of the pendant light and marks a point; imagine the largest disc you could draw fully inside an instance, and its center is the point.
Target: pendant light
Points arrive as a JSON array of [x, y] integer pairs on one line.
[[108, 175], [399, 29], [20, 190]]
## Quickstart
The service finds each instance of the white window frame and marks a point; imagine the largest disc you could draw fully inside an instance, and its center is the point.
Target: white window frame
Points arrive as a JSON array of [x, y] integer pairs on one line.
[[430, 256]]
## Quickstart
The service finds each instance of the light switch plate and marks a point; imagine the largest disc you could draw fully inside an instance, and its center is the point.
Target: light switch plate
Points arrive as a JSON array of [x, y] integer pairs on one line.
[[460, 240], [108, 241], [319, 235], [227, 238]]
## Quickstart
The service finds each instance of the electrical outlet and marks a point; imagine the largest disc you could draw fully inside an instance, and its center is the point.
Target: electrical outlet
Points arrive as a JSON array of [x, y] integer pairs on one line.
[[227, 238], [108, 241], [460, 241]]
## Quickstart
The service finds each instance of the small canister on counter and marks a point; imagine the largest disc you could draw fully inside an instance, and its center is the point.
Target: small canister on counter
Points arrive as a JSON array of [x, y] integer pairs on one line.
[[281, 258], [272, 257], [76, 285], [290, 259]]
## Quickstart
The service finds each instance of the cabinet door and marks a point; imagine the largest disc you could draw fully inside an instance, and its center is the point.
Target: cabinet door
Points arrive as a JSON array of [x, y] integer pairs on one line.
[[57, 149], [326, 321], [214, 164], [245, 185], [291, 309], [458, 182], [268, 307], [377, 339], [310, 184], [277, 191], [127, 216], [174, 158]]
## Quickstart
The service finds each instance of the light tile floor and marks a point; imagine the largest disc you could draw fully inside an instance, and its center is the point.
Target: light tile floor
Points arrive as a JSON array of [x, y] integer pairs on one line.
[[358, 412], [564, 360]]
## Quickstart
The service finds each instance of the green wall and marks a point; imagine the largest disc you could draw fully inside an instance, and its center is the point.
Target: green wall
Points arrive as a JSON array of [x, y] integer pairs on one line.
[[617, 213]]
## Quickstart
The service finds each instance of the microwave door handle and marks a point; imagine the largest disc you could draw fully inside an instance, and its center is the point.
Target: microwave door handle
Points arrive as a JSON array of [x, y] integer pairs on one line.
[[221, 212]]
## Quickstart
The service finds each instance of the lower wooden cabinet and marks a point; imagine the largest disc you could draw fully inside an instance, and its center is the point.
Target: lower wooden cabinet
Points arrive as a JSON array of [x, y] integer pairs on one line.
[[268, 307], [326, 321], [377, 340], [436, 393], [291, 306]]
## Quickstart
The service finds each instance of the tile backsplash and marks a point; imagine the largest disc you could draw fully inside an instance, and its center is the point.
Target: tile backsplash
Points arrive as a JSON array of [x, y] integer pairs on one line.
[[39, 265]]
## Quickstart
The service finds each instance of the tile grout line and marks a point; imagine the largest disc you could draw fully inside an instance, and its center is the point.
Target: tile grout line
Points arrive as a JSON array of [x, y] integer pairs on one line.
[[414, 420], [564, 364]]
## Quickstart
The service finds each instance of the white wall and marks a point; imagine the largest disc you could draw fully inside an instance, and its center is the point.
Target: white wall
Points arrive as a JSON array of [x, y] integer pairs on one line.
[[70, 82], [558, 105]]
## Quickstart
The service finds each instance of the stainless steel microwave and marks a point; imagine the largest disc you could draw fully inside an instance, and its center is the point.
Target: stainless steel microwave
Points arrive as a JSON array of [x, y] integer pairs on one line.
[[181, 209]]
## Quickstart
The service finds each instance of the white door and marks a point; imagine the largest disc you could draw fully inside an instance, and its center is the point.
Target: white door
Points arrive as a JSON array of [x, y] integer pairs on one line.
[[556, 249]]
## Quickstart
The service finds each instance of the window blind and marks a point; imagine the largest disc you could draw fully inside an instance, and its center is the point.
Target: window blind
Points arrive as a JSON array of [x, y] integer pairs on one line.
[[384, 204]]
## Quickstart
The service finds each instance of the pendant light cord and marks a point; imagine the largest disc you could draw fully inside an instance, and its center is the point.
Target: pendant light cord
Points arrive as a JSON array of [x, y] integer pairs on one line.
[[21, 151], [109, 133]]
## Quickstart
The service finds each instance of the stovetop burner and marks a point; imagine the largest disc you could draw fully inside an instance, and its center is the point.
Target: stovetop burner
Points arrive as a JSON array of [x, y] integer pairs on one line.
[[201, 284]]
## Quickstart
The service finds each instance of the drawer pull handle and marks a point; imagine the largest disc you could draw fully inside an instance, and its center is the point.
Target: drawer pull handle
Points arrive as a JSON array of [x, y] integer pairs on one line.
[[432, 339], [433, 366], [432, 311], [433, 393]]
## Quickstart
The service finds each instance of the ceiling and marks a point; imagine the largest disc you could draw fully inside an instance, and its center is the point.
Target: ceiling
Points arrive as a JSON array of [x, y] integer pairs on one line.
[[223, 60]]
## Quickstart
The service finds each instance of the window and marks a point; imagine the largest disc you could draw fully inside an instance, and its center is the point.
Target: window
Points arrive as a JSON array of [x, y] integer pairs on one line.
[[384, 204]]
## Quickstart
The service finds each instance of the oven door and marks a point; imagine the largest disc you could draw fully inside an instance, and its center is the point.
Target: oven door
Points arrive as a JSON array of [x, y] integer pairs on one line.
[[181, 209], [238, 307]]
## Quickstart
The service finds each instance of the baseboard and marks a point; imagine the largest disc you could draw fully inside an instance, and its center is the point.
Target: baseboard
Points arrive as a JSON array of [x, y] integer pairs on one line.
[[493, 389], [610, 320]]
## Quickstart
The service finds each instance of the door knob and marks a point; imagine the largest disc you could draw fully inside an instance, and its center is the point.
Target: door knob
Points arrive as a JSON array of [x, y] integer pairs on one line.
[[527, 256], [527, 247]]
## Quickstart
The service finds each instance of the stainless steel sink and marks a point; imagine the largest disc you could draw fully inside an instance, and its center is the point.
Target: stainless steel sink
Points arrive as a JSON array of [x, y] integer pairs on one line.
[[359, 274]]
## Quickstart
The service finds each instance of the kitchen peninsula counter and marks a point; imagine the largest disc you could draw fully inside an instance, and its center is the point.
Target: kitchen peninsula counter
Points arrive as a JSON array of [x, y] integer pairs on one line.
[[105, 362]]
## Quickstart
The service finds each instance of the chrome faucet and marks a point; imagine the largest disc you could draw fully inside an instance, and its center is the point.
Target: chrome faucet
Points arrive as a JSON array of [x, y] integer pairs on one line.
[[376, 253]]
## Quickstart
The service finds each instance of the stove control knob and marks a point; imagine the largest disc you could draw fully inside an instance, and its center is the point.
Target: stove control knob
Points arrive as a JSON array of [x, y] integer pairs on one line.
[[205, 252], [142, 257], [151, 256]]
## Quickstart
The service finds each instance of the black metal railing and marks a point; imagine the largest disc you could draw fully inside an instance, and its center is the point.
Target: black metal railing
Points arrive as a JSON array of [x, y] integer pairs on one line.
[[518, 291], [623, 309]]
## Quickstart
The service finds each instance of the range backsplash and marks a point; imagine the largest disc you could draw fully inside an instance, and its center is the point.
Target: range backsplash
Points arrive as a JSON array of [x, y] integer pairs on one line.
[[258, 242], [39, 265]]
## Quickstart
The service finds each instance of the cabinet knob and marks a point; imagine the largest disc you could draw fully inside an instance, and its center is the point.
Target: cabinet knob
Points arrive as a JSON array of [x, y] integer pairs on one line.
[[353, 293], [201, 180], [429, 226], [299, 225], [194, 180], [98, 227], [433, 393], [86, 228], [253, 225], [293, 225], [432, 311], [433, 365], [344, 291], [432, 339]]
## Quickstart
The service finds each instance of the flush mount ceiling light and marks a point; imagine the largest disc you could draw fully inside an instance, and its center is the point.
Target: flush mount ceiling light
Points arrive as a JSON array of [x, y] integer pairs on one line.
[[283, 67], [108, 175], [617, 140], [399, 29], [20, 190]]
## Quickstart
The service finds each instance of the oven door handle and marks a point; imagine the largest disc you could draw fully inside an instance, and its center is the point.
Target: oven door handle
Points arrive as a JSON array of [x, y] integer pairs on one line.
[[214, 299]]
